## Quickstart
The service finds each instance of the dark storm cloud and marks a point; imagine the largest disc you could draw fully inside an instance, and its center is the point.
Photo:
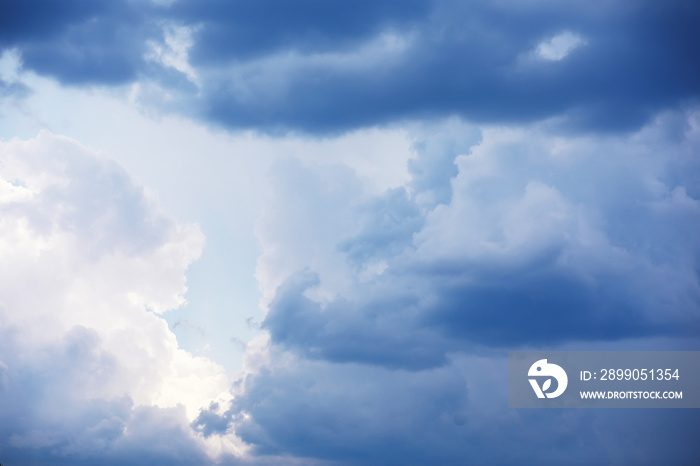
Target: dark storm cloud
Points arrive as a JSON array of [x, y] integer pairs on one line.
[[414, 321], [247, 29], [29, 20], [332, 66], [375, 331], [335, 411], [534, 307], [356, 414], [476, 60], [78, 41]]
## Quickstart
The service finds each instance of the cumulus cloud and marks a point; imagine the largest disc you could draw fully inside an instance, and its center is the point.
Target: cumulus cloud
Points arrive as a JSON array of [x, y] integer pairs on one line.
[[325, 413], [558, 207], [534, 225], [542, 240], [89, 370]]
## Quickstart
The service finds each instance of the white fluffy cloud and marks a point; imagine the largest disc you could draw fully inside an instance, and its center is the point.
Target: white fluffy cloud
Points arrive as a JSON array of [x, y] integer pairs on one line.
[[88, 262]]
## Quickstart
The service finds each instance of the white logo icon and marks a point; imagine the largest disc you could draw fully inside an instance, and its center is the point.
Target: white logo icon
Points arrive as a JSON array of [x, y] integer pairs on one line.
[[543, 369]]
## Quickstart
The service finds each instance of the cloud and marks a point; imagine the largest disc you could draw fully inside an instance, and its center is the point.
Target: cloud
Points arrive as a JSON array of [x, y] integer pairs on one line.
[[78, 42], [459, 59], [455, 414], [338, 410], [319, 68], [540, 240], [552, 201], [174, 52], [61, 406], [247, 29], [389, 316], [90, 372], [559, 46]]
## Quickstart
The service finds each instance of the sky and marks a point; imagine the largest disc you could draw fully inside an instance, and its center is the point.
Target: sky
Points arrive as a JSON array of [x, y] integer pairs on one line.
[[309, 232]]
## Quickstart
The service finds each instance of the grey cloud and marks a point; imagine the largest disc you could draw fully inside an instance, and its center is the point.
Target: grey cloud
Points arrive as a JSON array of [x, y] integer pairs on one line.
[[387, 225], [247, 29], [348, 413], [53, 413], [357, 414], [467, 59], [434, 167], [314, 67], [383, 329], [538, 245]]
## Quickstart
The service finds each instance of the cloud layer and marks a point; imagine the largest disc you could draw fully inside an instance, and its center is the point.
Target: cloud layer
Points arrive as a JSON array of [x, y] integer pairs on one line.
[[307, 65]]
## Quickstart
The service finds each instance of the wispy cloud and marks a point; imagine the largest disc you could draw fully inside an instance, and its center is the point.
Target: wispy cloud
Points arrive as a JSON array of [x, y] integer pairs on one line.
[[560, 46]]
